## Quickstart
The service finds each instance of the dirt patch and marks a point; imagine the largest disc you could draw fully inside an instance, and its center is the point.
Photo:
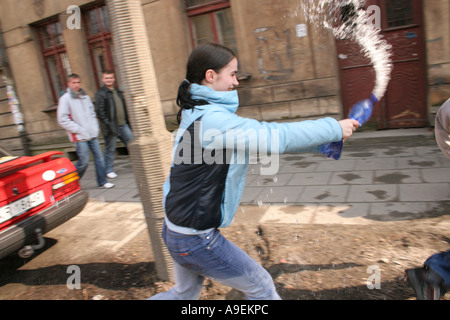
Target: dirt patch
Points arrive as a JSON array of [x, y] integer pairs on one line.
[[307, 262]]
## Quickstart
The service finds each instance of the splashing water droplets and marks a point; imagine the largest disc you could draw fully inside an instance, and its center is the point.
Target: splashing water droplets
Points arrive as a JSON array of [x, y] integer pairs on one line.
[[347, 19]]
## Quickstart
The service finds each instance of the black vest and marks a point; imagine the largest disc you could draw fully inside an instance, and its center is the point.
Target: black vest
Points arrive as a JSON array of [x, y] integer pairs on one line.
[[196, 184]]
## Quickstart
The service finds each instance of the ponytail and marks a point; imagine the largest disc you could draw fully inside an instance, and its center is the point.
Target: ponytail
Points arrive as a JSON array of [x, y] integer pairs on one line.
[[184, 99]]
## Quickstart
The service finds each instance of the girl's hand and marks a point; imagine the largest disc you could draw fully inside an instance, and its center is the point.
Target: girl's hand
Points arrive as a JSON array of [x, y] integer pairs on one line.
[[348, 127]]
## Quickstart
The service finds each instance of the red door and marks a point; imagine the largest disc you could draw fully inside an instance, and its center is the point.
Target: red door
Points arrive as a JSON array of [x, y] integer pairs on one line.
[[404, 104]]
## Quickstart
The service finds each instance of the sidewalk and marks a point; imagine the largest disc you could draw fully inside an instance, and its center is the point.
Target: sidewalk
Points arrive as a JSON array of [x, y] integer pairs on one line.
[[382, 175]]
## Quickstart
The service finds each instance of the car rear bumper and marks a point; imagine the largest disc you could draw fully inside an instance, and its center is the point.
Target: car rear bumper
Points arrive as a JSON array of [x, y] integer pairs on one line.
[[17, 236]]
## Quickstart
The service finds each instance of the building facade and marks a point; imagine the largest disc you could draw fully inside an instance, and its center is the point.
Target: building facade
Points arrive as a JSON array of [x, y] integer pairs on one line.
[[289, 68]]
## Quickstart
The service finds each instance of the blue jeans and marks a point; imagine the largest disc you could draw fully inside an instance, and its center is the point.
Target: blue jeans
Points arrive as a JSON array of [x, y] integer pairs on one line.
[[82, 148], [211, 255], [125, 135], [440, 263]]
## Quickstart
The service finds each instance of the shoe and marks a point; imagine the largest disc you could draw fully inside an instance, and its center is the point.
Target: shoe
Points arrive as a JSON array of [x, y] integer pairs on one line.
[[425, 283], [111, 175], [107, 185]]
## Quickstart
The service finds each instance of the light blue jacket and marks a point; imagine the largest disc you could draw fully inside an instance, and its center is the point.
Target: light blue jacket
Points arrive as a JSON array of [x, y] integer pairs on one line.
[[220, 126]]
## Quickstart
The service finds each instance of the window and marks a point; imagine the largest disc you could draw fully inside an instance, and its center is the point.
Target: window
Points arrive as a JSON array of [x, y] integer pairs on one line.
[[54, 52], [98, 21], [211, 21], [399, 13], [99, 39]]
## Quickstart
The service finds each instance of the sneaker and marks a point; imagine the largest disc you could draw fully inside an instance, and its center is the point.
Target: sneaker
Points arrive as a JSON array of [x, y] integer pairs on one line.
[[111, 175], [425, 283], [107, 186]]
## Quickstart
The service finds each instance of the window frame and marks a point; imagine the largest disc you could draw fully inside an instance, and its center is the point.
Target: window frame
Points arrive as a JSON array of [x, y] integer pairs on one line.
[[209, 9], [416, 17], [54, 50], [102, 39]]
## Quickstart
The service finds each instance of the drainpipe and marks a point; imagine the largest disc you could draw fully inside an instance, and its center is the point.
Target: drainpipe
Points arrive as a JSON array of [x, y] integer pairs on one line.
[[150, 151]]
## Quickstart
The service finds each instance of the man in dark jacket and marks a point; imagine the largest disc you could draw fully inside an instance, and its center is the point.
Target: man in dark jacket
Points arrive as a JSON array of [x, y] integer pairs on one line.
[[112, 113]]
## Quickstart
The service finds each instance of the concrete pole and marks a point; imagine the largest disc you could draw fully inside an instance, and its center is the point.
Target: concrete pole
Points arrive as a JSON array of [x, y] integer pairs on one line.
[[150, 151]]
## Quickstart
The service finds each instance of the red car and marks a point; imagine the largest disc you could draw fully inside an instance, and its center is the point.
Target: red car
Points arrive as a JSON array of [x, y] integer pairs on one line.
[[37, 194]]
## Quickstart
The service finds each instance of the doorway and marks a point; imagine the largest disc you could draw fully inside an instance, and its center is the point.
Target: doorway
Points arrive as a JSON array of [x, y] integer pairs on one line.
[[404, 104]]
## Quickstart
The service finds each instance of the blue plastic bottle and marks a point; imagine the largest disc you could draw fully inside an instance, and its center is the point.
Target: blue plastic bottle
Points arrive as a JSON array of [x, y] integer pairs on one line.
[[361, 111]]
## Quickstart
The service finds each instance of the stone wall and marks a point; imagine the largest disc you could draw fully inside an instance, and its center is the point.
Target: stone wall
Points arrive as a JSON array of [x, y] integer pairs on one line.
[[292, 65], [287, 66]]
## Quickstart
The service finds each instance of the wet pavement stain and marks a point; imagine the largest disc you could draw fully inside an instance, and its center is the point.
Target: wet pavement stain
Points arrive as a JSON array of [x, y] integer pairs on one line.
[[303, 164], [422, 163], [394, 216], [350, 176], [294, 158], [392, 178], [362, 155], [393, 151], [379, 194], [442, 209], [323, 196], [397, 215]]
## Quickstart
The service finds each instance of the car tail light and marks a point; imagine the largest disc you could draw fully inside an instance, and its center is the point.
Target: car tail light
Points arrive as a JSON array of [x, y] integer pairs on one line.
[[66, 184]]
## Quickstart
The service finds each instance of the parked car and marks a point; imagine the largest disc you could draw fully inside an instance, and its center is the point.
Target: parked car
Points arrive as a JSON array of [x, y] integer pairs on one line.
[[37, 194]]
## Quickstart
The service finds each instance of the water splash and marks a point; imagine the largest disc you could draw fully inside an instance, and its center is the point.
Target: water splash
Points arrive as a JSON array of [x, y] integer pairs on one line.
[[347, 19]]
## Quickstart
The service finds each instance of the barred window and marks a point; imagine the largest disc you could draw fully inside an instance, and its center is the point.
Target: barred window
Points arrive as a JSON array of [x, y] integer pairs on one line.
[[399, 13]]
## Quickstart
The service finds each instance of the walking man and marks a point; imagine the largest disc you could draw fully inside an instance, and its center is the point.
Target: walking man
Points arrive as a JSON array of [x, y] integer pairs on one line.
[[112, 113], [76, 114]]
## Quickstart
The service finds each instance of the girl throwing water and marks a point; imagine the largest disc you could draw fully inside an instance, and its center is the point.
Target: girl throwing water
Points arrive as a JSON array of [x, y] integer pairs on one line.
[[201, 196]]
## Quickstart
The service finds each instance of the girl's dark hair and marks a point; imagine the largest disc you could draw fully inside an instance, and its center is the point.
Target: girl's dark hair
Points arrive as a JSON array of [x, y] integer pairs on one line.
[[204, 57]]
